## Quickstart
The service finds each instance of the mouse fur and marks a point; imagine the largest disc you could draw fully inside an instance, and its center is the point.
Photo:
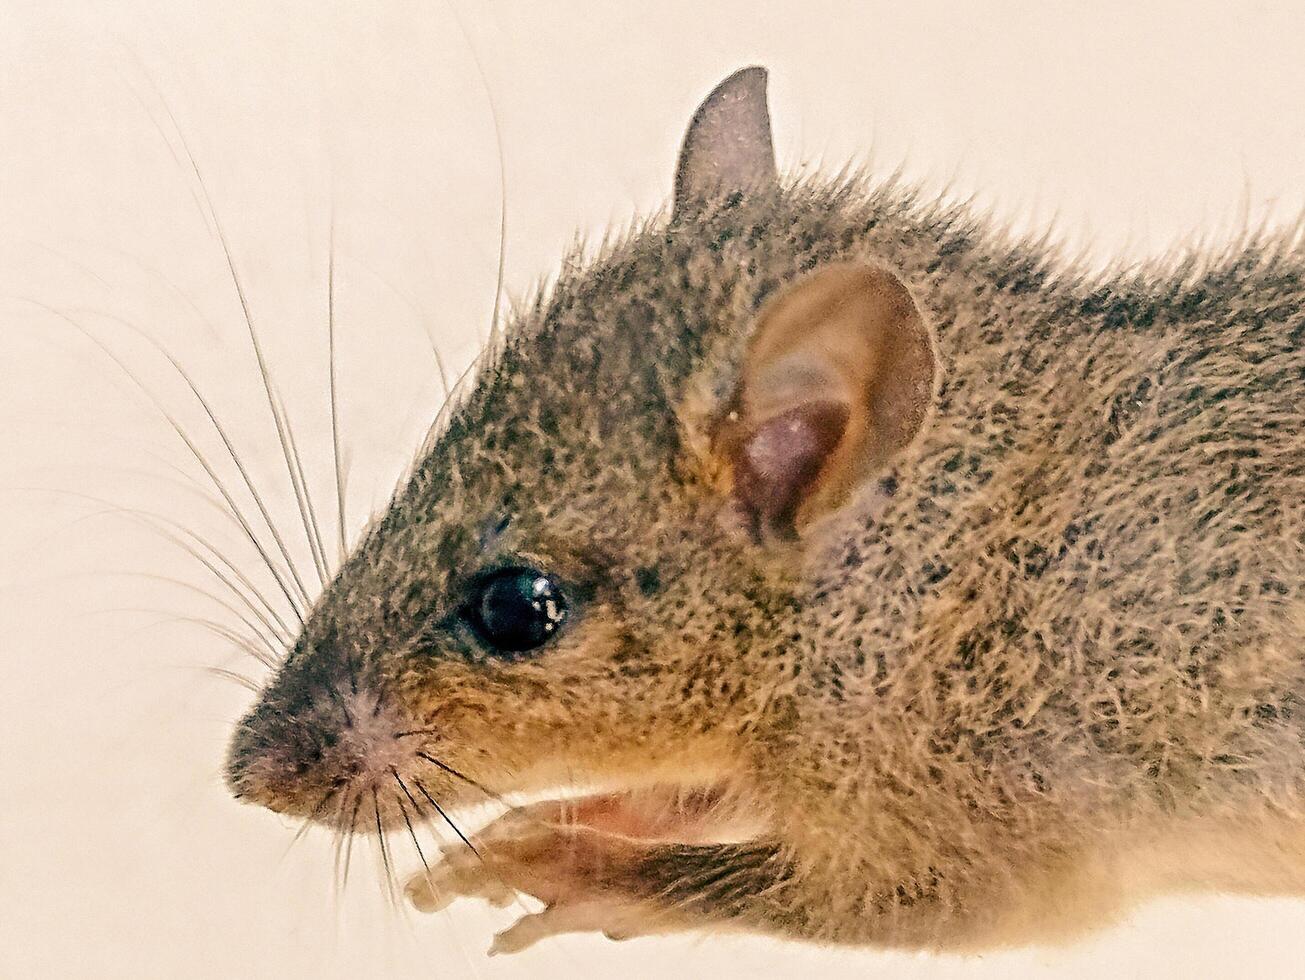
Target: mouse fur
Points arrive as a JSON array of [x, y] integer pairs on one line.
[[1039, 663]]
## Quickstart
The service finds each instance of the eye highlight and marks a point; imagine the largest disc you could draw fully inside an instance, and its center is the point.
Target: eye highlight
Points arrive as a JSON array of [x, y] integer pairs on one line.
[[515, 610]]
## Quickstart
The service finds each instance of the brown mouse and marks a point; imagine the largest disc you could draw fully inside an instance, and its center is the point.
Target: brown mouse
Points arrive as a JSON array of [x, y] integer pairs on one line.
[[874, 578]]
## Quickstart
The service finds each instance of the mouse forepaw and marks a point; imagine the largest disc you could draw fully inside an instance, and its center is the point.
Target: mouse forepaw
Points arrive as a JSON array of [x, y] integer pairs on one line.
[[456, 877], [592, 875], [613, 917], [588, 881]]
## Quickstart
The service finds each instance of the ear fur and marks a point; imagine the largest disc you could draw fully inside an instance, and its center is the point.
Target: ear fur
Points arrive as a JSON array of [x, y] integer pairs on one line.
[[838, 377], [728, 145]]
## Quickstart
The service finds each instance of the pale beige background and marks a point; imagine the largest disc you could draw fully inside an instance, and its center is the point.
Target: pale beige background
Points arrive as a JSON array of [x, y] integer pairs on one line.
[[120, 854]]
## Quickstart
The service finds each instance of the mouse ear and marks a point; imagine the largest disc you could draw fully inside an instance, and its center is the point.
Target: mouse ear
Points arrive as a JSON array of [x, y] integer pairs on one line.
[[728, 145], [838, 377]]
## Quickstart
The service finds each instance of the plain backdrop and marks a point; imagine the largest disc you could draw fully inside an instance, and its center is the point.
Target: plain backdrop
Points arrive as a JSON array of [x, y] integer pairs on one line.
[[1130, 128]]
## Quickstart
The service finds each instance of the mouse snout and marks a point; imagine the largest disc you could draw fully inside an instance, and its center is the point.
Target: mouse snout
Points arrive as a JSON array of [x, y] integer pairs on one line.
[[276, 760], [310, 741]]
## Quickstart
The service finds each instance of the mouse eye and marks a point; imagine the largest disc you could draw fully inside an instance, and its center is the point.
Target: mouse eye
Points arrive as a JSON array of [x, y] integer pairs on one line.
[[515, 609]]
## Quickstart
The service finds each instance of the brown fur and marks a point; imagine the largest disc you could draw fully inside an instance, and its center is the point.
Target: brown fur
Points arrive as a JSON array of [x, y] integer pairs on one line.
[[1045, 663]]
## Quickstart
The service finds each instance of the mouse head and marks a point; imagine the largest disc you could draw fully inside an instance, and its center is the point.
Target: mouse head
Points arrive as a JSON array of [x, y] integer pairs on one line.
[[591, 576]]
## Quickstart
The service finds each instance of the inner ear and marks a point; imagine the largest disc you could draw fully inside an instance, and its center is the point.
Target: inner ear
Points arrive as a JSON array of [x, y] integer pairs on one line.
[[838, 377]]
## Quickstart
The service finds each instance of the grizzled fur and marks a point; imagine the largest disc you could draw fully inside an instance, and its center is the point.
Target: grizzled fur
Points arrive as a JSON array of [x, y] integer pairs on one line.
[[1047, 662]]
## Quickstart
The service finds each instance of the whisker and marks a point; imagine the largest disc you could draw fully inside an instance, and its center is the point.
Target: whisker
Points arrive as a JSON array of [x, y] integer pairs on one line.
[[316, 812], [172, 150], [337, 845], [116, 510], [315, 535], [385, 851], [348, 841], [447, 819], [455, 774], [230, 448], [281, 630], [417, 314], [403, 810], [231, 636], [272, 648], [199, 457], [243, 643], [335, 410], [449, 404], [441, 368], [281, 424], [135, 260], [502, 176], [148, 520], [353, 674], [231, 675], [272, 620], [81, 267]]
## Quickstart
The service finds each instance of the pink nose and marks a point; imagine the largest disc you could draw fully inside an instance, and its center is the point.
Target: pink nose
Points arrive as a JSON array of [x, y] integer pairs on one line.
[[290, 754]]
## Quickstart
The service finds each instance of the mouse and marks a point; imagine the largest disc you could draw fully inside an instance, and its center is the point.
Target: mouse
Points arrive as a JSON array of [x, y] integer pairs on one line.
[[819, 560]]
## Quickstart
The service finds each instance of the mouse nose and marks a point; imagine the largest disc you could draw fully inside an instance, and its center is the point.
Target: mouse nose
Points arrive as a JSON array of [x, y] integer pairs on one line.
[[283, 754], [315, 734], [277, 760]]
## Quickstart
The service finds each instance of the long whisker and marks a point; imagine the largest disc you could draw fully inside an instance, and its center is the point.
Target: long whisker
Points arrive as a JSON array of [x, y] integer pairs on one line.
[[231, 675], [447, 819], [417, 314], [81, 267], [227, 443], [348, 842], [268, 638], [455, 774], [449, 403], [385, 850], [199, 457], [502, 176], [148, 519], [267, 641], [315, 534], [135, 260], [243, 643], [270, 619], [316, 812], [335, 410], [209, 214], [337, 846], [231, 636], [172, 151], [411, 831], [282, 424]]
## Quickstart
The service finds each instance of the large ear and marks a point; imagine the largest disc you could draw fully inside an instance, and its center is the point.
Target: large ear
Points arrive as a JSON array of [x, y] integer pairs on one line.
[[728, 145], [838, 377]]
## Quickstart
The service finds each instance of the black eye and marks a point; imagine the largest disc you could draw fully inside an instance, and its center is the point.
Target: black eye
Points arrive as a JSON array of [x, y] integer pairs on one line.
[[515, 609]]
